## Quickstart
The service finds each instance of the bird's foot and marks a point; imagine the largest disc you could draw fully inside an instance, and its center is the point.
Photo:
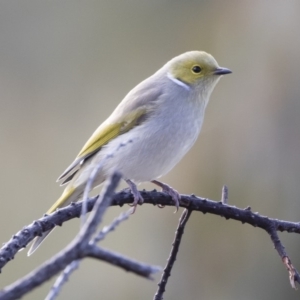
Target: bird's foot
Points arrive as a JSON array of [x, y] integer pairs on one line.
[[169, 191], [138, 199]]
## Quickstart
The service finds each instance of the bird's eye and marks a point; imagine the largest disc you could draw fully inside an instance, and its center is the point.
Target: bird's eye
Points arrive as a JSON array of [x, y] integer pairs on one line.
[[196, 69]]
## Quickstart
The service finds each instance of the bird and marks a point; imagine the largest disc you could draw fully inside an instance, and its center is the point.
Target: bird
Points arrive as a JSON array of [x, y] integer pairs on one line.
[[159, 120]]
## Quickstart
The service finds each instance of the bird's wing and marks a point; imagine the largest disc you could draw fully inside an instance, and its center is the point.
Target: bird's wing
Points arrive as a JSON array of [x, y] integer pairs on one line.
[[135, 108], [105, 133], [108, 132]]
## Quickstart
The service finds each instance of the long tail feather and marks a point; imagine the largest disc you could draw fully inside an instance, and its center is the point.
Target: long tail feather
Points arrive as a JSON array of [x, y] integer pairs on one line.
[[37, 241], [65, 199]]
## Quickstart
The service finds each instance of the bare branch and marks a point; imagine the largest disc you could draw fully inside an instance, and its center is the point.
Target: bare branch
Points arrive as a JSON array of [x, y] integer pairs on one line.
[[23, 237], [293, 273], [171, 260], [127, 264], [105, 255], [76, 250], [107, 229], [62, 279]]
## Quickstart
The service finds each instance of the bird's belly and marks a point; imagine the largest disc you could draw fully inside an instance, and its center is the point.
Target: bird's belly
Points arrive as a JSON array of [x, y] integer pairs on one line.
[[147, 154]]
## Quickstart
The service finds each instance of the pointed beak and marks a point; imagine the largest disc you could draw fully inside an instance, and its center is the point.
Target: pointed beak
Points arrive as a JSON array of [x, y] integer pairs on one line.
[[221, 71]]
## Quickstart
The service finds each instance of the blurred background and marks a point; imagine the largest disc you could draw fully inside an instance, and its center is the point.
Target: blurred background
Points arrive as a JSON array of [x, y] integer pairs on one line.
[[65, 65]]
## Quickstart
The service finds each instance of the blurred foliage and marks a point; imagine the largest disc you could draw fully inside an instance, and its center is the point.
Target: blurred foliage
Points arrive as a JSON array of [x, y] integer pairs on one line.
[[65, 65]]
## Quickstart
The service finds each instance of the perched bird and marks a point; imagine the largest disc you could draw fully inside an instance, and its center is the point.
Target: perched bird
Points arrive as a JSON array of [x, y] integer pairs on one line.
[[162, 117]]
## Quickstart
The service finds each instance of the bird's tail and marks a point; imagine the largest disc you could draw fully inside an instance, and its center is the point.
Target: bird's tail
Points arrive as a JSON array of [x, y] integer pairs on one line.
[[66, 198]]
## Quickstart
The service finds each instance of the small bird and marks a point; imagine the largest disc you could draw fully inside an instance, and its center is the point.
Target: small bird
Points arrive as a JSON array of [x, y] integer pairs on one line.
[[159, 121]]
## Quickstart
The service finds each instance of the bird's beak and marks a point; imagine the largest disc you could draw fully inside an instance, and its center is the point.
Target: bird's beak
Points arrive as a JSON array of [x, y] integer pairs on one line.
[[221, 71]]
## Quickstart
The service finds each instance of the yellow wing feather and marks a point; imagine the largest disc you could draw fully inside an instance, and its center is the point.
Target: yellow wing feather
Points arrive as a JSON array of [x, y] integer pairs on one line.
[[98, 139], [103, 135]]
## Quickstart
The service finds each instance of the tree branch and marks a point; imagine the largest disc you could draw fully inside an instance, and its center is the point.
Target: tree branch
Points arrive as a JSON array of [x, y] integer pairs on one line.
[[79, 248], [105, 255], [62, 279], [193, 203], [171, 260]]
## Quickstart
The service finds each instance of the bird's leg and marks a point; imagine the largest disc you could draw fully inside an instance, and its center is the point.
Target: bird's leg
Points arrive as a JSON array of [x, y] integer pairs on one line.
[[170, 191], [138, 199]]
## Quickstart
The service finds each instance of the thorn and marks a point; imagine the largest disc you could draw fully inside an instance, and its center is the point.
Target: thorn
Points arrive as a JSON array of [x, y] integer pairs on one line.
[[224, 198], [17, 245]]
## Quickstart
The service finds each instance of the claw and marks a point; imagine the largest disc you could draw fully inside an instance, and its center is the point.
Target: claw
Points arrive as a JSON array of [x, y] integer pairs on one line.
[[137, 197], [169, 191]]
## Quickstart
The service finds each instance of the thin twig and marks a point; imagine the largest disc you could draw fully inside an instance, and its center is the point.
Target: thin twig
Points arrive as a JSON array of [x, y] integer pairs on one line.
[[293, 273], [95, 217], [62, 279], [123, 262], [171, 260], [107, 229], [92, 178]]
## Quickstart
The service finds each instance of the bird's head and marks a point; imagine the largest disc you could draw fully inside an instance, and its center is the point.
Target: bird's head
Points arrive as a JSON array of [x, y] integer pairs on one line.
[[195, 69]]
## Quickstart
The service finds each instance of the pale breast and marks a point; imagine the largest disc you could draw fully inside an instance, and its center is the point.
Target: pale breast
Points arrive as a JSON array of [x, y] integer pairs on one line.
[[157, 145]]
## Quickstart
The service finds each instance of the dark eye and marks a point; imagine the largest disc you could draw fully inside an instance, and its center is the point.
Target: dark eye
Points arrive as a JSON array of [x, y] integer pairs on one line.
[[196, 69]]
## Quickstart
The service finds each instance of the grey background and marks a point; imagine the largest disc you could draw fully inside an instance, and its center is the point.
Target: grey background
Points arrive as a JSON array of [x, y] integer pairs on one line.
[[65, 65]]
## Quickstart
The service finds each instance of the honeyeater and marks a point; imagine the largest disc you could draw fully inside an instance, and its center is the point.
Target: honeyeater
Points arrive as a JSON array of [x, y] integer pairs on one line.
[[158, 121]]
